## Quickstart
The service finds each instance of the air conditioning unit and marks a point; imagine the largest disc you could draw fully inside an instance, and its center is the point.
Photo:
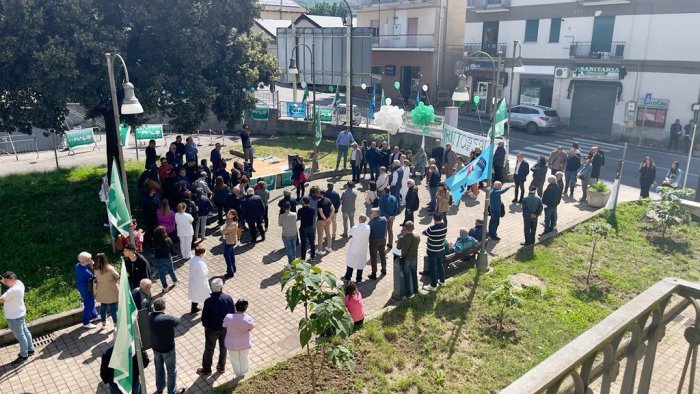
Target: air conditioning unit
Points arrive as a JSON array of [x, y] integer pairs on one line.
[[561, 72]]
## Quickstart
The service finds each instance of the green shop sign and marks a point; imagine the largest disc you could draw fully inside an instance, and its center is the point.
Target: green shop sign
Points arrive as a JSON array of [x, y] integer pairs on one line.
[[260, 113], [79, 137], [149, 132], [596, 72]]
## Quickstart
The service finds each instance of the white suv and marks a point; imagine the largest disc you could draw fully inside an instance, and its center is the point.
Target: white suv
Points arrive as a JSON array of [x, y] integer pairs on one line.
[[534, 118]]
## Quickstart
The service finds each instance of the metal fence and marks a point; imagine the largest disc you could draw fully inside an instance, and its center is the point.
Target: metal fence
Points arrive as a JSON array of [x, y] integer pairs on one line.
[[14, 145], [585, 50]]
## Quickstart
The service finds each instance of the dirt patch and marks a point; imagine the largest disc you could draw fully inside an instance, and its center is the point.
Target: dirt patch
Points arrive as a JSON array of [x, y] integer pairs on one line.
[[505, 334], [597, 288]]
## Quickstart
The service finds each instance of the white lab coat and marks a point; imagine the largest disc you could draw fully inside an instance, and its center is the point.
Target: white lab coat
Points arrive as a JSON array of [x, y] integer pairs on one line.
[[356, 257], [404, 183], [198, 288]]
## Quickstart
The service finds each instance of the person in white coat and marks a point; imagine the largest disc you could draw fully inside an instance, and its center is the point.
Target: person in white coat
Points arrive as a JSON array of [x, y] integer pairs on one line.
[[198, 288], [185, 231], [406, 167], [356, 257]]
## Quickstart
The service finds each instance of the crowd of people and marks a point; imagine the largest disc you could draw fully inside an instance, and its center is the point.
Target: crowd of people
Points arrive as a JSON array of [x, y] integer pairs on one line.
[[238, 206]]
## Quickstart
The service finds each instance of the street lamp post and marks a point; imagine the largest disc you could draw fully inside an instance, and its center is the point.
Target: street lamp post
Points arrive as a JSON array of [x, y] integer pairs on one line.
[[348, 64], [460, 94], [293, 70], [130, 106], [517, 68]]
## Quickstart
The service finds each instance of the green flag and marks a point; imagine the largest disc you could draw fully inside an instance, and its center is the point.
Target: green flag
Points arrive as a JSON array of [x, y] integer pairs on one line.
[[319, 127], [124, 344], [500, 118], [116, 204], [336, 101], [383, 102], [306, 93]]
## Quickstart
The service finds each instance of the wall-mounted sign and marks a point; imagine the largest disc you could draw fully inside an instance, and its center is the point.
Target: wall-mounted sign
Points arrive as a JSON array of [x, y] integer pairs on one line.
[[296, 110], [261, 112], [596, 72], [389, 69], [655, 103]]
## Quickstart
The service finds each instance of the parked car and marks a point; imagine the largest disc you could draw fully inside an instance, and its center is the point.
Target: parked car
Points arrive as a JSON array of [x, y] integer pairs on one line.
[[534, 118]]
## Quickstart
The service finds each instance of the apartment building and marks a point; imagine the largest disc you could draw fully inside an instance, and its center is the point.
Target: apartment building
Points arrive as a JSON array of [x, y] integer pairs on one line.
[[609, 67], [416, 42]]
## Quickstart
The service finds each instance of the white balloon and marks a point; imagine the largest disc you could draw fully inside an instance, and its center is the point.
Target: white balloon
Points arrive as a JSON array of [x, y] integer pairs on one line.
[[363, 86], [303, 84], [389, 118], [388, 101], [425, 88]]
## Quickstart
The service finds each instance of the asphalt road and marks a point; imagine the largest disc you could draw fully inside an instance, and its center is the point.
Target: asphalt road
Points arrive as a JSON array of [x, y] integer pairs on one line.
[[534, 145]]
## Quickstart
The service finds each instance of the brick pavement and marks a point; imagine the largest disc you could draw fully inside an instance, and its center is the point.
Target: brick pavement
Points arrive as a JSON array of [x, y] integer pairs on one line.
[[67, 361]]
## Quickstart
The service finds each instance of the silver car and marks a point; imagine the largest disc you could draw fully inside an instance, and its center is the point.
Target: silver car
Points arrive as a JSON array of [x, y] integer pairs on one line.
[[534, 118]]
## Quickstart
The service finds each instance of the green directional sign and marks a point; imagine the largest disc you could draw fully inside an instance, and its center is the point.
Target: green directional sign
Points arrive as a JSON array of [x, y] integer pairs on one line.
[[80, 137], [123, 133], [260, 112], [149, 132]]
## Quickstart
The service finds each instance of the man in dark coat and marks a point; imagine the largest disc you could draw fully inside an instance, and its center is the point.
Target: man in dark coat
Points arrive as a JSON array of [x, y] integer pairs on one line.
[[412, 202], [520, 171], [597, 161], [551, 199], [252, 207], [532, 209], [438, 154], [216, 307], [499, 161]]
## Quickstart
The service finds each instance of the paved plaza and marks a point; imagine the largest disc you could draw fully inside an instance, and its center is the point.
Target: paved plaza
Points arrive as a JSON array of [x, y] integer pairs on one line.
[[68, 361]]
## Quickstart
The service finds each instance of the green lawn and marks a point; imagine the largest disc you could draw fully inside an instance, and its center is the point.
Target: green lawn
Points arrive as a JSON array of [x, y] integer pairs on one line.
[[446, 341], [48, 218]]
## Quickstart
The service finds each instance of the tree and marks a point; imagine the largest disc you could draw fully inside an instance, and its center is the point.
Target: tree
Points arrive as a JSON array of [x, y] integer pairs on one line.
[[668, 211], [597, 231], [328, 9], [326, 320], [505, 297]]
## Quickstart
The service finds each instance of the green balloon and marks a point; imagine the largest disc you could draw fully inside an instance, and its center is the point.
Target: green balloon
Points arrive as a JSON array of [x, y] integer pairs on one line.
[[476, 100], [397, 85], [330, 88]]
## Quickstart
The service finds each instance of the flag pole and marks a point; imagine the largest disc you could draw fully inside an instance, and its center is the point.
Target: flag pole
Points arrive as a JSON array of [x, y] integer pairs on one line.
[[139, 357]]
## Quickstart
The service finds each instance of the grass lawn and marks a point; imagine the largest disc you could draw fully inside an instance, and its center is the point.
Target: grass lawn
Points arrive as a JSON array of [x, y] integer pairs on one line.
[[447, 342], [48, 219]]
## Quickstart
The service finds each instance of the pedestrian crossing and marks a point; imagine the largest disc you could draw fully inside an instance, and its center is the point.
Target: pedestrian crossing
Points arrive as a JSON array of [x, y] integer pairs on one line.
[[533, 152]]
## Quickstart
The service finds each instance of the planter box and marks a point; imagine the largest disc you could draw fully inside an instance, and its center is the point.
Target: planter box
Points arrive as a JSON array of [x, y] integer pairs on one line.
[[597, 199]]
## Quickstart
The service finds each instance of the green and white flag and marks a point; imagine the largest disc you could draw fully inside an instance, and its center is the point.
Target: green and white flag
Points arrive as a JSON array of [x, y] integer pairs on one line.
[[500, 118], [306, 93], [116, 204], [319, 127], [383, 102], [124, 337], [336, 100]]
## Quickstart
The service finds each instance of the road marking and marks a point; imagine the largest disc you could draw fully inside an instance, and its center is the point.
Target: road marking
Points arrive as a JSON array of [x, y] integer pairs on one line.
[[545, 148]]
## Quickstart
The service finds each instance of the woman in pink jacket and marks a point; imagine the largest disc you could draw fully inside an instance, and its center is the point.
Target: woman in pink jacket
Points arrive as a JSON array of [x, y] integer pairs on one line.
[[238, 344]]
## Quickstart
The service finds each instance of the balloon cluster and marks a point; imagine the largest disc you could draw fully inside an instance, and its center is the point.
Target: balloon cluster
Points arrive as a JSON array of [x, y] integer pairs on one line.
[[423, 115], [389, 118]]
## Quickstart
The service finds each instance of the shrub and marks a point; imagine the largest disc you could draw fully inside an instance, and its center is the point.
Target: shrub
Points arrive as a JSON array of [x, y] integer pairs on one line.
[[503, 296], [599, 187]]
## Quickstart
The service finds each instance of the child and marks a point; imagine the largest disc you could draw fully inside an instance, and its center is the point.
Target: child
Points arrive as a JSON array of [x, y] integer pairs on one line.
[[356, 306]]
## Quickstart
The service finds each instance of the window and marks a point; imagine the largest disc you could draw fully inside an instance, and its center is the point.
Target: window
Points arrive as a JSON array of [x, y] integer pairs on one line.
[[531, 28], [555, 30], [377, 69], [652, 117]]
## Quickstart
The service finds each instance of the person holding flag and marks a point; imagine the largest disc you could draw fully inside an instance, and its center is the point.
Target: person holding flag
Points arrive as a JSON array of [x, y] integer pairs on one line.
[[472, 173]]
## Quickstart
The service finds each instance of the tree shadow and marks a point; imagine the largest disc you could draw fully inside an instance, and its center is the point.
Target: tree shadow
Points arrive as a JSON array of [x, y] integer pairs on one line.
[[271, 280], [457, 310], [612, 221], [666, 245]]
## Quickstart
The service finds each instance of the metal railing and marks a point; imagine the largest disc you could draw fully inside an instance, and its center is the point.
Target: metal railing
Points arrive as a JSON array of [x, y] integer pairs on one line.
[[631, 332], [491, 49], [583, 50], [14, 145], [404, 41], [267, 97], [488, 3], [364, 3]]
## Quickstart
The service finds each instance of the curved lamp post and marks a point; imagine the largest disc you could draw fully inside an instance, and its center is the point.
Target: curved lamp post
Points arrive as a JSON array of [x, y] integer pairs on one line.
[[130, 106], [293, 70], [517, 68], [461, 94], [348, 64]]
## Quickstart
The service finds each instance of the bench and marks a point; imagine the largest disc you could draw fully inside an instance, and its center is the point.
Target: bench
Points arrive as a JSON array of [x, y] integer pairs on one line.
[[453, 258]]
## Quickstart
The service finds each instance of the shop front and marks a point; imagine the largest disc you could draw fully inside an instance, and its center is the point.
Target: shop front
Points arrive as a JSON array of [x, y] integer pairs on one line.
[[594, 91], [481, 75], [536, 86]]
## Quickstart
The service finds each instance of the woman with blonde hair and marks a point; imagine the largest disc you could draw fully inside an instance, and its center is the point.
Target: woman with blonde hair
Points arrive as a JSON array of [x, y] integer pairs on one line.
[[185, 231], [442, 198], [106, 289]]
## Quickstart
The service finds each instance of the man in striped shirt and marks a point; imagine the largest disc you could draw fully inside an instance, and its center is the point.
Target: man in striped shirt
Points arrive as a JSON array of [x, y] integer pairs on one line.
[[436, 252]]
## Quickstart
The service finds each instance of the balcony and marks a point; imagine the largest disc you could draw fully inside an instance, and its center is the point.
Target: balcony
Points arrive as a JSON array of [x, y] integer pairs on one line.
[[491, 49], [619, 353], [488, 5], [583, 50], [404, 41]]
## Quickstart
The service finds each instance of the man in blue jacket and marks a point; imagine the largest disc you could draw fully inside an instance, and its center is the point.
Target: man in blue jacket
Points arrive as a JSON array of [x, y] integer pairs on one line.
[[532, 209], [343, 143], [389, 208], [377, 241], [495, 209], [373, 161], [216, 307]]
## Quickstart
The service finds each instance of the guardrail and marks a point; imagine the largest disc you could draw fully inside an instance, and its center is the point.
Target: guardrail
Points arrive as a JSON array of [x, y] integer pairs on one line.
[[14, 145], [213, 135], [584, 50], [631, 332], [491, 49]]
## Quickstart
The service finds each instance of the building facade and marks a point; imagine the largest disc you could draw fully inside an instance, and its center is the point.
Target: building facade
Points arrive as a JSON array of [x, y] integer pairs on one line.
[[280, 9], [416, 43], [609, 67]]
